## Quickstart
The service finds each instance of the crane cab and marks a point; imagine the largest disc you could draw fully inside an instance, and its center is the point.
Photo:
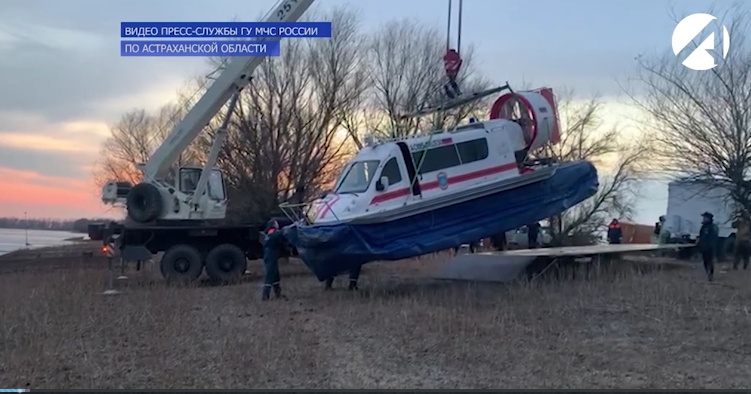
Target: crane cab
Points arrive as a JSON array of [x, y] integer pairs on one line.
[[187, 181], [184, 204], [172, 198]]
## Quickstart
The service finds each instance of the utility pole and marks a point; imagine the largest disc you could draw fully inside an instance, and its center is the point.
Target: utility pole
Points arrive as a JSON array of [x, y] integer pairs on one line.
[[26, 228]]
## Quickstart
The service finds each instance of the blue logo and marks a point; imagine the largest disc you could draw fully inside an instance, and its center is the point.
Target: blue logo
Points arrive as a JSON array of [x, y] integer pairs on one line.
[[443, 180]]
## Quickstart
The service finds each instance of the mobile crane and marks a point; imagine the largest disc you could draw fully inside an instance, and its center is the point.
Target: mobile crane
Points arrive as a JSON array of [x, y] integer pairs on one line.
[[174, 215]]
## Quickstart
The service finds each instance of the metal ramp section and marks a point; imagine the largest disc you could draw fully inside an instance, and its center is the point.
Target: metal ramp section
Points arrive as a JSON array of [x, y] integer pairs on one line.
[[590, 250], [511, 265], [484, 267]]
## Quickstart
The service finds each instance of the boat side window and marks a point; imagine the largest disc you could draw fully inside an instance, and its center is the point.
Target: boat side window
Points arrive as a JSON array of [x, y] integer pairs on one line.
[[392, 172], [437, 159], [358, 177], [471, 151]]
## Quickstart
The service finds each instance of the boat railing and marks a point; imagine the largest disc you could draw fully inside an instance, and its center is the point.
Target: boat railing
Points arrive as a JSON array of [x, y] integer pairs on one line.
[[306, 212], [297, 213], [384, 140], [541, 161], [432, 109]]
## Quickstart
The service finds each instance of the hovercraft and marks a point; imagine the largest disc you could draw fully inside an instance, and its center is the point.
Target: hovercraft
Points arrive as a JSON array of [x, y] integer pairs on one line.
[[408, 197]]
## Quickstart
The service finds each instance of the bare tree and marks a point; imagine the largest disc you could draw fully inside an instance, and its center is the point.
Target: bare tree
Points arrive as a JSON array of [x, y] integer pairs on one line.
[[287, 133], [406, 73], [132, 141], [701, 120], [618, 159]]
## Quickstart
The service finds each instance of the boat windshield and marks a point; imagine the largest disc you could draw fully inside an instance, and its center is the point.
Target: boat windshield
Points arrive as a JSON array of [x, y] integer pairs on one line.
[[357, 179]]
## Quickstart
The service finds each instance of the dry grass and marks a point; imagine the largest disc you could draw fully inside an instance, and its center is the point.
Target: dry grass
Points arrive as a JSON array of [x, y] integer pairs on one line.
[[666, 329]]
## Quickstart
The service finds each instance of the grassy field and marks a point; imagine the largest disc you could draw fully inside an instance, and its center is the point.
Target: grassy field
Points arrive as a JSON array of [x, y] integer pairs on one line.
[[664, 329]]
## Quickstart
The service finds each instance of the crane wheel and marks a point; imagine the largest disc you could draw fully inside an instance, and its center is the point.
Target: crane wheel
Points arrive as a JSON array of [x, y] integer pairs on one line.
[[181, 263], [144, 203], [225, 263]]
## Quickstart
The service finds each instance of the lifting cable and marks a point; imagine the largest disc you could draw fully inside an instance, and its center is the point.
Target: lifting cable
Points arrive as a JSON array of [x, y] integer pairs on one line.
[[452, 59], [459, 28], [448, 29], [440, 113]]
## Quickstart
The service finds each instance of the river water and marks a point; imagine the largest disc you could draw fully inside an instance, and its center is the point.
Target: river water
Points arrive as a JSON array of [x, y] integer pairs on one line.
[[14, 239]]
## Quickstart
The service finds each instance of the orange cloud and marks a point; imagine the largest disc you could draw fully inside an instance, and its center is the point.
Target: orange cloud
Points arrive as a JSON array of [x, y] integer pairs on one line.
[[45, 196], [74, 137], [46, 143]]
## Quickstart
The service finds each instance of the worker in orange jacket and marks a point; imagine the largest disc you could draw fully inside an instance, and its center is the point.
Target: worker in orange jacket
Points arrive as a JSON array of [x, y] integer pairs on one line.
[[615, 233]]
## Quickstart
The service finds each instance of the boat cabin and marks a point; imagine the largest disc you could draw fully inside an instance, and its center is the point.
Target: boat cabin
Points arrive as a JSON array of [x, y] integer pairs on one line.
[[392, 174]]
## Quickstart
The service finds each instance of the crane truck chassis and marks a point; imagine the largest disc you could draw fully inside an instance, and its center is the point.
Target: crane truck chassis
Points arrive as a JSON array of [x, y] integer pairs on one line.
[[189, 248]]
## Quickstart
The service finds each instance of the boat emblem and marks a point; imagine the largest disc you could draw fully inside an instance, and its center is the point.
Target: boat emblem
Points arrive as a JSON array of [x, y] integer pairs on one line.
[[443, 180]]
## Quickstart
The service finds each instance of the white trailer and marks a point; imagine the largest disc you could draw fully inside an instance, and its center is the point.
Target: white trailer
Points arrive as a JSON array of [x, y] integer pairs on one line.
[[687, 201]]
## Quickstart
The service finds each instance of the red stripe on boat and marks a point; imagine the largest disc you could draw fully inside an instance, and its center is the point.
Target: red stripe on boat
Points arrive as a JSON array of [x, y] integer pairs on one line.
[[328, 207], [403, 192]]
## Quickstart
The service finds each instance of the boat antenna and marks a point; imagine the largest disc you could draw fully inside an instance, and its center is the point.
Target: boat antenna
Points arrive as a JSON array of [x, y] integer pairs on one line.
[[458, 28]]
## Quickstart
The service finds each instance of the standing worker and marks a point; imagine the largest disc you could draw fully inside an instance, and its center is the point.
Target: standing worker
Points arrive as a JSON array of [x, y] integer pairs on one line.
[[615, 233], [742, 249], [656, 231], [707, 242], [499, 241], [533, 230], [663, 232], [354, 276], [271, 246]]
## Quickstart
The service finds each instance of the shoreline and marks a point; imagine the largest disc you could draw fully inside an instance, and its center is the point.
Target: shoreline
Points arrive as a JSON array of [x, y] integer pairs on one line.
[[76, 254], [83, 233], [62, 242]]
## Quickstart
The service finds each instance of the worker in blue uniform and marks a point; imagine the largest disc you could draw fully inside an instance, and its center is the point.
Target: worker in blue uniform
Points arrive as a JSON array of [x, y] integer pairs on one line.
[[271, 246], [533, 230], [707, 243]]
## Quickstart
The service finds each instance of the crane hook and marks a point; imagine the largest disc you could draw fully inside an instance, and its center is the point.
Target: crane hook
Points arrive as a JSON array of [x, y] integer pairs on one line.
[[452, 60]]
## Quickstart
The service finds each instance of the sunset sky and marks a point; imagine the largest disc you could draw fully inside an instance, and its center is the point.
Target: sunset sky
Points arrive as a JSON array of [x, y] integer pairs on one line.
[[62, 80]]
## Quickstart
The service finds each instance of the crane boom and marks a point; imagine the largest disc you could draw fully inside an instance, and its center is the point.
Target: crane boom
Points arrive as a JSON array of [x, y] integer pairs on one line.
[[235, 76]]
